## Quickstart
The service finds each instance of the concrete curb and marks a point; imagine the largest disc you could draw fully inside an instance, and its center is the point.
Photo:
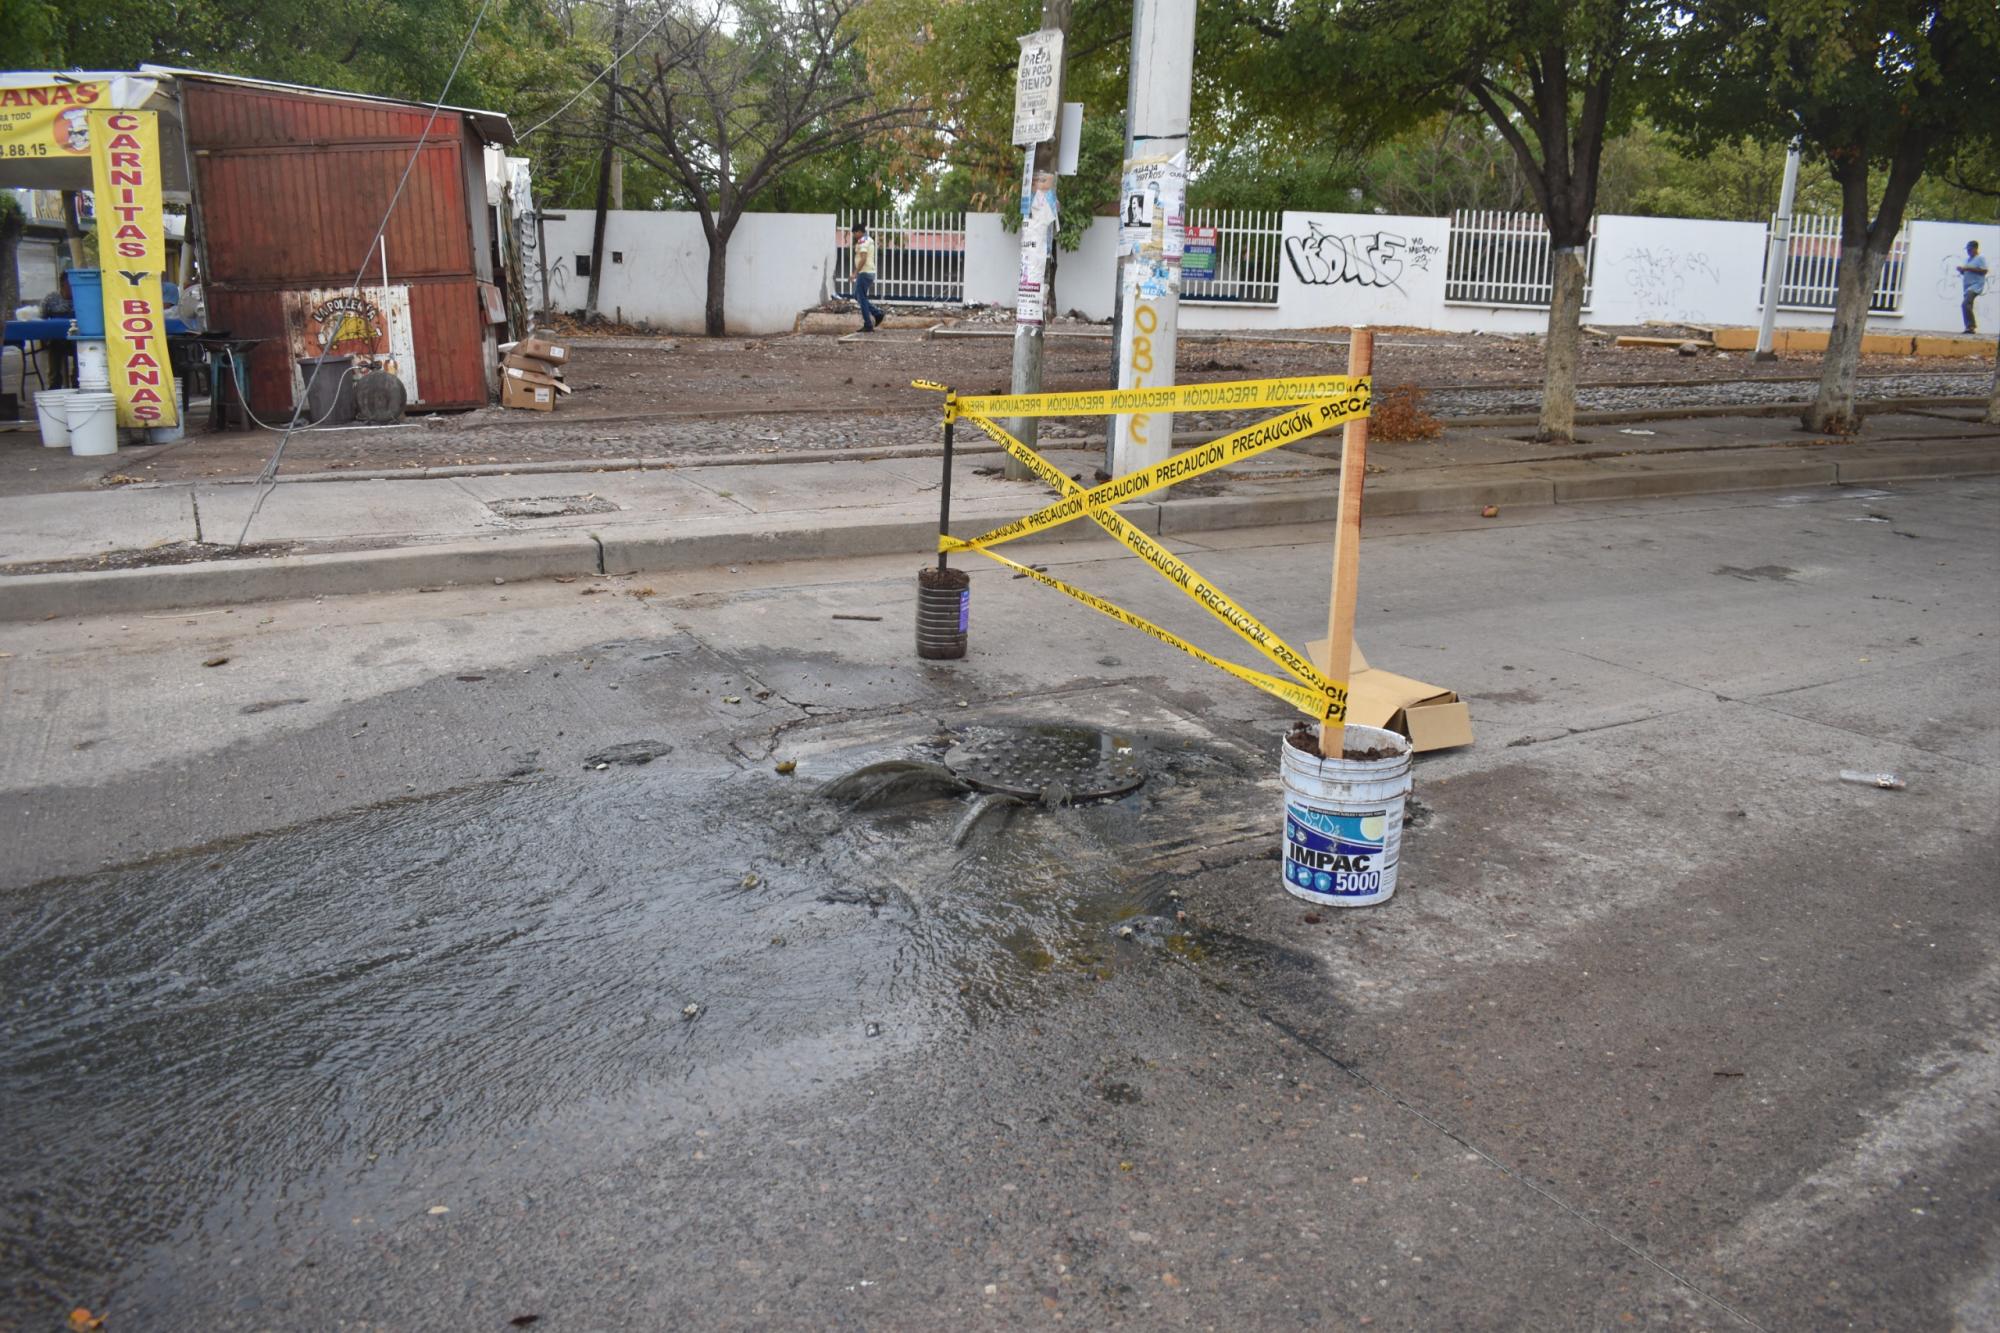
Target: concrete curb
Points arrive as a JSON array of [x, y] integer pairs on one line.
[[698, 544], [234, 582]]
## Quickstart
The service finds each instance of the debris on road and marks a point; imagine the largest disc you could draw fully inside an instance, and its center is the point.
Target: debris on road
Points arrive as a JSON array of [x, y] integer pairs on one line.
[[1886, 781], [690, 1012], [842, 616], [216, 662], [1491, 511]]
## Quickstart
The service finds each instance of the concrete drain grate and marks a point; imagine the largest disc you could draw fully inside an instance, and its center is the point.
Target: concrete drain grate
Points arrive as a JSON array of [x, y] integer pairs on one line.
[[552, 506], [1048, 761]]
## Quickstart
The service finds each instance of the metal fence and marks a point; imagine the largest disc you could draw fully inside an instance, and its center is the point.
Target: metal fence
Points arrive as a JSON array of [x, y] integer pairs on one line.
[[1231, 256], [1812, 267], [1502, 259], [919, 256]]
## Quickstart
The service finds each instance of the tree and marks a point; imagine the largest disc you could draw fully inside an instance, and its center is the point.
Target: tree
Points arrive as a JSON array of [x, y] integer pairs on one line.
[[1553, 79], [1894, 84], [725, 102]]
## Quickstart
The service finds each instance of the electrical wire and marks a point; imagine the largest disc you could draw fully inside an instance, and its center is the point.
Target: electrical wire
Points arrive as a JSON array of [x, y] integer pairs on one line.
[[268, 477], [666, 11]]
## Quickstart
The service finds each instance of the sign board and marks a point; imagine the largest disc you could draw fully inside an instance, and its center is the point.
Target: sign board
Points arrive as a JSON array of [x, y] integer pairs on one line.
[[132, 258], [1070, 141], [50, 122], [1035, 105], [1198, 254], [372, 324]]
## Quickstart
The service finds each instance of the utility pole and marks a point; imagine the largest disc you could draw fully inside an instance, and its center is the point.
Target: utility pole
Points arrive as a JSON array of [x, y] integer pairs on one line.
[[1151, 225], [605, 156], [1039, 89], [1774, 264]]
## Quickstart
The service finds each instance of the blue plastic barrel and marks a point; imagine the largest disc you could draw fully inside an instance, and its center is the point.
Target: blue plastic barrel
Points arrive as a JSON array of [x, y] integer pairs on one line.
[[86, 288]]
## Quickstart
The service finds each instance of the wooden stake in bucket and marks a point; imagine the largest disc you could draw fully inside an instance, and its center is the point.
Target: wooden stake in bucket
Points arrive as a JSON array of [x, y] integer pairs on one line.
[[1344, 814]]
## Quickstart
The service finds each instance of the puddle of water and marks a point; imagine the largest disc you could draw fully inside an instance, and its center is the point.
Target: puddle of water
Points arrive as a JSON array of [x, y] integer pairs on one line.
[[211, 1052]]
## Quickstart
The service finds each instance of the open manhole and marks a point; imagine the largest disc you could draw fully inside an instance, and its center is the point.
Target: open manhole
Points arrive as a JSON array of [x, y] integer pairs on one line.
[[552, 506], [1043, 761]]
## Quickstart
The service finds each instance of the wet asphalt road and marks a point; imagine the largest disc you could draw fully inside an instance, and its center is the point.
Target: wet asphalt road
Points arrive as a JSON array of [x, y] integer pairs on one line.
[[1666, 1026]]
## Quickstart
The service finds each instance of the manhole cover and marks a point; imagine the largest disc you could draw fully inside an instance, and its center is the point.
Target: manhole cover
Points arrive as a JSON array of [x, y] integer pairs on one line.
[[1043, 762], [552, 506]]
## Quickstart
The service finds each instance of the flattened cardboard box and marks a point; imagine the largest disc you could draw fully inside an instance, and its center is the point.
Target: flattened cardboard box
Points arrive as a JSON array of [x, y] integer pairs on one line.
[[541, 377], [1433, 717], [517, 360], [541, 349], [520, 393]]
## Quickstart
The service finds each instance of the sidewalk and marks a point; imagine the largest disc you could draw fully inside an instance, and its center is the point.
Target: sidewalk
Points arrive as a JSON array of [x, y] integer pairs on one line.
[[107, 550]]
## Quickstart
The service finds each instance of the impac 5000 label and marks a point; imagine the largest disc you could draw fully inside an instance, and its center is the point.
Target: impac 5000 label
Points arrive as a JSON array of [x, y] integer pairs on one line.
[[1339, 854]]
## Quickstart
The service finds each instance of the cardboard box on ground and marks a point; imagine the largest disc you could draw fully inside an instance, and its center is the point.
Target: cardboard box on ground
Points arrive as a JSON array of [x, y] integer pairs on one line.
[[531, 374], [1433, 717]]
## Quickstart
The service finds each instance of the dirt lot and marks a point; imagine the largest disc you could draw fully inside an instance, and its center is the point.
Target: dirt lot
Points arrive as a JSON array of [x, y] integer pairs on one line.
[[669, 399]]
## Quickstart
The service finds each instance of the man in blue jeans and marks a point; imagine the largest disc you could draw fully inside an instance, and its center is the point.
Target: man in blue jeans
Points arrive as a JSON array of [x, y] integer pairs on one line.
[[864, 277], [1973, 274]]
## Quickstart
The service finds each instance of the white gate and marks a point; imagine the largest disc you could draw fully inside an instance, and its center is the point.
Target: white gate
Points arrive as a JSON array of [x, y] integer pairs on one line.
[[1499, 258], [1812, 267], [919, 256], [1231, 256]]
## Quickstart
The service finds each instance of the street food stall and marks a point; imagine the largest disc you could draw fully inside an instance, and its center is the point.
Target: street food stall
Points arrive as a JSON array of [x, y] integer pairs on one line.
[[282, 189]]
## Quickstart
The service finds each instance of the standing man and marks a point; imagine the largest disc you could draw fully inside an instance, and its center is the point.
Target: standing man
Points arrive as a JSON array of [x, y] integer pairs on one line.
[[1973, 274], [864, 277]]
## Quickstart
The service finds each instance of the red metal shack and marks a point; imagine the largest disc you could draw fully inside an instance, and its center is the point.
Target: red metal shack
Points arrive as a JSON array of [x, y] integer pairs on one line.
[[289, 184]]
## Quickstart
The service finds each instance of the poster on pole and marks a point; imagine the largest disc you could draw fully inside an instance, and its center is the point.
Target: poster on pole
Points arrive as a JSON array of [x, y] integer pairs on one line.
[[1038, 236], [1035, 80], [132, 255], [1198, 255]]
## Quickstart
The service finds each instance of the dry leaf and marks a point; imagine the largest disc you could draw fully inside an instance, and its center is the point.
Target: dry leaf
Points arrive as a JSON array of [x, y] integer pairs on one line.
[[84, 1320], [439, 1211], [1491, 511], [215, 661], [787, 765], [643, 592]]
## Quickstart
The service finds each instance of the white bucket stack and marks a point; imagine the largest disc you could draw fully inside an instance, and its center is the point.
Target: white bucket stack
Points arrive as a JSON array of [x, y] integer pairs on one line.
[[93, 365], [1344, 820], [52, 410], [93, 423]]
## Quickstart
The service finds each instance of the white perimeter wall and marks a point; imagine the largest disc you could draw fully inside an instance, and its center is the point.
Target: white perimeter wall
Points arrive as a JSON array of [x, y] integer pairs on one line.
[[1337, 269], [779, 264]]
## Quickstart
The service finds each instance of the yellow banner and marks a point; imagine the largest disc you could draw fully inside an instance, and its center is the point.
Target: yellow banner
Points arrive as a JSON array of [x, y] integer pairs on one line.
[[1197, 461], [49, 122], [132, 256]]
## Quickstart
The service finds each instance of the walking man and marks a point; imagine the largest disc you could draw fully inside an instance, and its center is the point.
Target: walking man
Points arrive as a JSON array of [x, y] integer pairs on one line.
[[1973, 274], [864, 277]]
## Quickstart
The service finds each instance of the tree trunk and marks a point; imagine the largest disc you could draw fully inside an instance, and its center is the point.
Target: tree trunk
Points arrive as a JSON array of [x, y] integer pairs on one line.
[[718, 271], [1833, 412], [1563, 347]]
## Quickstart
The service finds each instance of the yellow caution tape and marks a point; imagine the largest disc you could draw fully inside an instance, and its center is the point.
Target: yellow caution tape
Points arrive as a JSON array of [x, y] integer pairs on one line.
[[930, 384], [1215, 396], [1309, 702], [1297, 424], [1328, 697]]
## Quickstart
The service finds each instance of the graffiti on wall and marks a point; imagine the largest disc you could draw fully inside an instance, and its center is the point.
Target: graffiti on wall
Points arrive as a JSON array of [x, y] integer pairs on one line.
[[1321, 258], [1668, 285]]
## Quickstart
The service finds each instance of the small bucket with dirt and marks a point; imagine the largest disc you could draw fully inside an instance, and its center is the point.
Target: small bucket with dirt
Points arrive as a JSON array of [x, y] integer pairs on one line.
[[944, 612], [1344, 816]]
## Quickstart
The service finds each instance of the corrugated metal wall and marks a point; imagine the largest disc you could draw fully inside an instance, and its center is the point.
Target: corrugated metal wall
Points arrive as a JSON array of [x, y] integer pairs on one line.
[[291, 187]]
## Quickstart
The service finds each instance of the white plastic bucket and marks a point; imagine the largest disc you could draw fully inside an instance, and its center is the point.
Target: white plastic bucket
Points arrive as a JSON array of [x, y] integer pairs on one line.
[[168, 434], [1344, 820], [52, 410], [93, 423], [93, 365]]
